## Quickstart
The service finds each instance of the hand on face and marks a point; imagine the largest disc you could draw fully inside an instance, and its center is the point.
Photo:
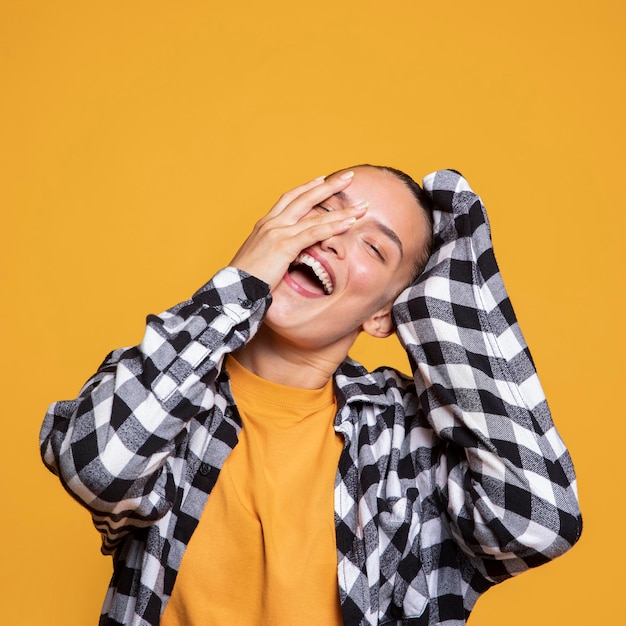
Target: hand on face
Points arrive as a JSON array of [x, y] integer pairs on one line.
[[287, 229]]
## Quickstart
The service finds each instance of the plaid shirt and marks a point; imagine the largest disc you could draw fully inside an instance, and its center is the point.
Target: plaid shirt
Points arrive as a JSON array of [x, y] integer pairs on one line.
[[448, 482]]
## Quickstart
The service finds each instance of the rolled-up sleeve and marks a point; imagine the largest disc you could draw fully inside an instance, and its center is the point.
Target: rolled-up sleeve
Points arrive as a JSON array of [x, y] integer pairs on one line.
[[504, 472], [111, 446]]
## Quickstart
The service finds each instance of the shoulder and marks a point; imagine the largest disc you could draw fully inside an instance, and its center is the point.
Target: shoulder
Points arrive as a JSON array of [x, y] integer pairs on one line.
[[381, 414], [384, 386]]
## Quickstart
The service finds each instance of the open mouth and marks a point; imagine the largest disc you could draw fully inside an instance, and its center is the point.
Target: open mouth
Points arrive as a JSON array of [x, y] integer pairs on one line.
[[311, 274]]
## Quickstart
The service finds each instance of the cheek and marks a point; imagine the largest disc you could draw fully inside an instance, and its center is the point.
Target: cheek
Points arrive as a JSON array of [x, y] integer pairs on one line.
[[366, 278], [367, 271], [376, 284], [372, 285]]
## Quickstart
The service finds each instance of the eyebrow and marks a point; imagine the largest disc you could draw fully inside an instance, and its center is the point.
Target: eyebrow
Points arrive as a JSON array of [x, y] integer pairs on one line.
[[342, 196]]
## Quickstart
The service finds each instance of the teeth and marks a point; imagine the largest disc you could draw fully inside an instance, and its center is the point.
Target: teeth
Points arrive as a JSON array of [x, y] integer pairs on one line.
[[306, 259]]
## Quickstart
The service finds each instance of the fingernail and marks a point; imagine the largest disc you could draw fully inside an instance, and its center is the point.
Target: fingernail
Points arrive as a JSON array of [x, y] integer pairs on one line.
[[346, 175], [350, 221], [363, 204], [319, 179]]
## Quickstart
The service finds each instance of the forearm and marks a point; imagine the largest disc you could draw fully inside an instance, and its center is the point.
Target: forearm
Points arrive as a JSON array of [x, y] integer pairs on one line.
[[505, 473], [111, 445], [509, 486]]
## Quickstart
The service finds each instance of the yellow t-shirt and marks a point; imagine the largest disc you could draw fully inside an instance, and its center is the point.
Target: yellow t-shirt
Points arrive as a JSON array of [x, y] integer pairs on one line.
[[264, 552]]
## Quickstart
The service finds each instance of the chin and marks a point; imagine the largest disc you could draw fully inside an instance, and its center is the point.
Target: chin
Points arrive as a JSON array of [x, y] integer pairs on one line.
[[281, 319]]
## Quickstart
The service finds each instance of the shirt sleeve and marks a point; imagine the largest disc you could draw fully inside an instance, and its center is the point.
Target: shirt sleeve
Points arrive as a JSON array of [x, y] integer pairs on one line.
[[505, 474], [114, 446]]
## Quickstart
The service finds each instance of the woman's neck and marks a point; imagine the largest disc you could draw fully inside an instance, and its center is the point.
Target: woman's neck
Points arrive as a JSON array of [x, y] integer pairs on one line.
[[271, 357]]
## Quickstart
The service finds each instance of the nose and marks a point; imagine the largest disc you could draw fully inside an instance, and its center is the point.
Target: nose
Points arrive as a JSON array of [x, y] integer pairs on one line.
[[334, 245]]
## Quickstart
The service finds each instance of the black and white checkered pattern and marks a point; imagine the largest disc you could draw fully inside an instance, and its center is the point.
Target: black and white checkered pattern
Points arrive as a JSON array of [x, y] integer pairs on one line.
[[447, 484]]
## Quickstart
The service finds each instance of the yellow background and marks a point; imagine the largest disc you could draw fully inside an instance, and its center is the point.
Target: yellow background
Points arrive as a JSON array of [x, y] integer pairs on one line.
[[140, 140]]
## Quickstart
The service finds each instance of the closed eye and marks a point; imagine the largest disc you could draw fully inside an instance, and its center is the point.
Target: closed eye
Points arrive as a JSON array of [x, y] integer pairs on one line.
[[322, 207], [377, 252]]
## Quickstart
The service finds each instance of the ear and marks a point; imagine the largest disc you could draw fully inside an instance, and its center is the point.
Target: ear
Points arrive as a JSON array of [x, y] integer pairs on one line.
[[380, 324]]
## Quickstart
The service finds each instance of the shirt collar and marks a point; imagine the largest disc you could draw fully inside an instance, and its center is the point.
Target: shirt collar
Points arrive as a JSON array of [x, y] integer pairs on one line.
[[354, 384]]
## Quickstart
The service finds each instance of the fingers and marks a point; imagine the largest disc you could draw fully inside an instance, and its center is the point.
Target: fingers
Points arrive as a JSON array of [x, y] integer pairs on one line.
[[291, 195], [271, 247], [295, 223], [320, 226], [299, 201], [299, 207]]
